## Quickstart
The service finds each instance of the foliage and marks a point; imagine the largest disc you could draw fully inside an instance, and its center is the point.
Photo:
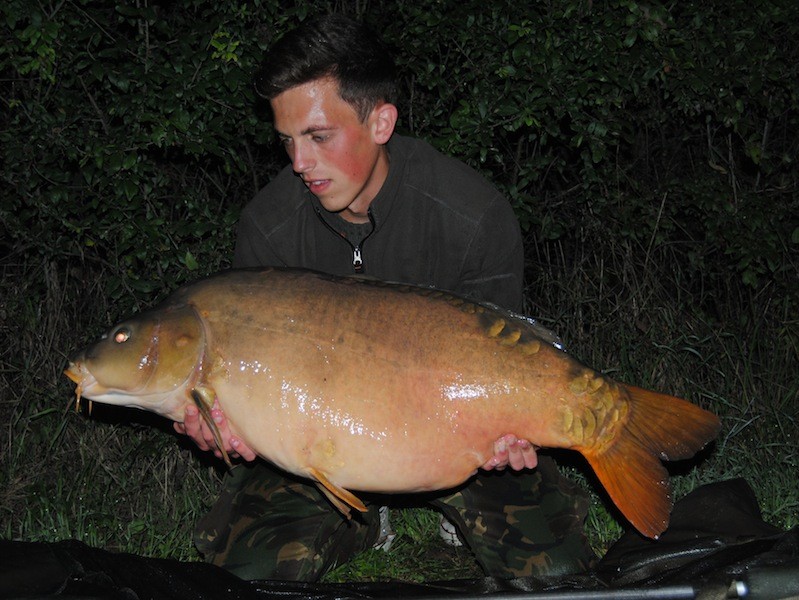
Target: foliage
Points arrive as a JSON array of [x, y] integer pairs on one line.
[[132, 138], [590, 114], [128, 136]]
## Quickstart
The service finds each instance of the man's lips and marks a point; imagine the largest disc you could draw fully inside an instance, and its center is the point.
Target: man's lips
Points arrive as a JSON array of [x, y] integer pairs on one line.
[[316, 185]]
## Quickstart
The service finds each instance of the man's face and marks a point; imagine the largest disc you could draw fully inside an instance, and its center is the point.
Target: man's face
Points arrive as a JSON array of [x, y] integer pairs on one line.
[[341, 159]]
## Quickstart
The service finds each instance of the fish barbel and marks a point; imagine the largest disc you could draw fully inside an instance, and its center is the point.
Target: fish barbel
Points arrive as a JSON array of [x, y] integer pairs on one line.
[[375, 387]]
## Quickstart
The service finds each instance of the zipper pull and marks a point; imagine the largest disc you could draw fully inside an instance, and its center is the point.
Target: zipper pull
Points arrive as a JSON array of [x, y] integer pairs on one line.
[[357, 260]]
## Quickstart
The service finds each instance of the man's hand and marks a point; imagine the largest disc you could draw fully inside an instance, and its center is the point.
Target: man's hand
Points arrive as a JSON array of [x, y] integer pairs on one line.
[[510, 450], [197, 429]]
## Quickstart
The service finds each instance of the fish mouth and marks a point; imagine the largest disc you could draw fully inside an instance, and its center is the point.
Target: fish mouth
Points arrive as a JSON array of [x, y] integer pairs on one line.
[[83, 379], [80, 374], [76, 372]]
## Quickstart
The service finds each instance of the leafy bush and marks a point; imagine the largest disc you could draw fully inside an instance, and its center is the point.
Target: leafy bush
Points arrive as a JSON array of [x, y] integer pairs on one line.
[[661, 125], [132, 138]]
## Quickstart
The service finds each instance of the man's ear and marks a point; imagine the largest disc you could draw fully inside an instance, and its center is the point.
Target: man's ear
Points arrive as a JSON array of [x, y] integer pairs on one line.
[[384, 118]]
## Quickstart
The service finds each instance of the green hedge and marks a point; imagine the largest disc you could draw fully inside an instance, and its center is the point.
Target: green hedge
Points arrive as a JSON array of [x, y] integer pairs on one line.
[[131, 135]]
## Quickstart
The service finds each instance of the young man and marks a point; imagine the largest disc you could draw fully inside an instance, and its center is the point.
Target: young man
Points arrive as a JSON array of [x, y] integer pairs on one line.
[[357, 198]]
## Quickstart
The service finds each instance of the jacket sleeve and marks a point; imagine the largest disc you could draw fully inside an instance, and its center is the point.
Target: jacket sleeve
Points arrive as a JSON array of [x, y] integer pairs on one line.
[[493, 268]]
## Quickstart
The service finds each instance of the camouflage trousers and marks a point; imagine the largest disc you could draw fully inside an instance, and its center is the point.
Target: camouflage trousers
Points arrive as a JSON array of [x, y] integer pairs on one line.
[[269, 525]]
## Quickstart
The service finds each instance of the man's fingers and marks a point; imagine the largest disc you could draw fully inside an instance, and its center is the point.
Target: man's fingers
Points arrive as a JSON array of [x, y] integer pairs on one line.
[[515, 457], [242, 449], [522, 455], [198, 430], [529, 453], [510, 451], [192, 426], [221, 425]]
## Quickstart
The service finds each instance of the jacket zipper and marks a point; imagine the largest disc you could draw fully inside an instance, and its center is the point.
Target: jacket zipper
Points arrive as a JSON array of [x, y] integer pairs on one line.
[[357, 249], [357, 259]]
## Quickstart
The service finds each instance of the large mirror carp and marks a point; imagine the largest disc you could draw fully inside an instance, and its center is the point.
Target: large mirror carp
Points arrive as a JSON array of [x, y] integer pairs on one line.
[[375, 387]]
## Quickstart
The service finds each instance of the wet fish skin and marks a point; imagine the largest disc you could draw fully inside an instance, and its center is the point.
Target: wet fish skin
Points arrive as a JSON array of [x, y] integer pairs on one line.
[[369, 386]]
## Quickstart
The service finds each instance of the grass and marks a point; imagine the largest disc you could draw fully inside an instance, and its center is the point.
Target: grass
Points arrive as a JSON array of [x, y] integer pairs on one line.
[[122, 481], [417, 554]]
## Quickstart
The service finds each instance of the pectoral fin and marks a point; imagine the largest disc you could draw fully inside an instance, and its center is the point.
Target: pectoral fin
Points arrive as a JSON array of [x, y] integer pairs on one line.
[[339, 497], [204, 399]]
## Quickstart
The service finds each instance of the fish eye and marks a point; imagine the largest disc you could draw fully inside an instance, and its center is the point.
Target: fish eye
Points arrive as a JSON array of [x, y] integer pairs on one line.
[[122, 335]]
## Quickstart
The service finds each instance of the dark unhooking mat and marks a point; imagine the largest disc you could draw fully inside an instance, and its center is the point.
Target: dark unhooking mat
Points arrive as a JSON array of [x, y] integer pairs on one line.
[[716, 547]]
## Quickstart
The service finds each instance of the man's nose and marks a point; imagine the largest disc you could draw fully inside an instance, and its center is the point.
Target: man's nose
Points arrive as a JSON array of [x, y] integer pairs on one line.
[[302, 158]]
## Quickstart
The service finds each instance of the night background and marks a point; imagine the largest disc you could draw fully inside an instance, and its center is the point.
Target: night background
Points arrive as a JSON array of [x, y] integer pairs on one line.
[[649, 150]]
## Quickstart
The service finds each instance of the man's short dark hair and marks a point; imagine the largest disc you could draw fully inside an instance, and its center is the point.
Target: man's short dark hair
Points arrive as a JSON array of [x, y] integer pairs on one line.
[[332, 46]]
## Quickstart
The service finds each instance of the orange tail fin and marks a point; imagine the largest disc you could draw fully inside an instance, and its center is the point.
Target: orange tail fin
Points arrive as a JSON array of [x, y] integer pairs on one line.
[[660, 427]]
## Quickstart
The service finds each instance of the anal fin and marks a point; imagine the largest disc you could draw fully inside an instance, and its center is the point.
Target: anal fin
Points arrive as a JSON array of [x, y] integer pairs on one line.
[[342, 499]]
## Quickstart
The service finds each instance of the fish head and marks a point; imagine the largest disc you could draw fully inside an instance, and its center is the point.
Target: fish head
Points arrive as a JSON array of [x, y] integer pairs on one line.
[[149, 361]]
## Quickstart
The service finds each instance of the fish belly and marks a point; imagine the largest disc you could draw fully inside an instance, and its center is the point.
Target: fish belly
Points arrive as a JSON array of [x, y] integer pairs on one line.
[[375, 442]]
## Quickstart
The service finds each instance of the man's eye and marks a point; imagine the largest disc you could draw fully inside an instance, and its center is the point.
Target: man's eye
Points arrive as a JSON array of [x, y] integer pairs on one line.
[[319, 139]]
